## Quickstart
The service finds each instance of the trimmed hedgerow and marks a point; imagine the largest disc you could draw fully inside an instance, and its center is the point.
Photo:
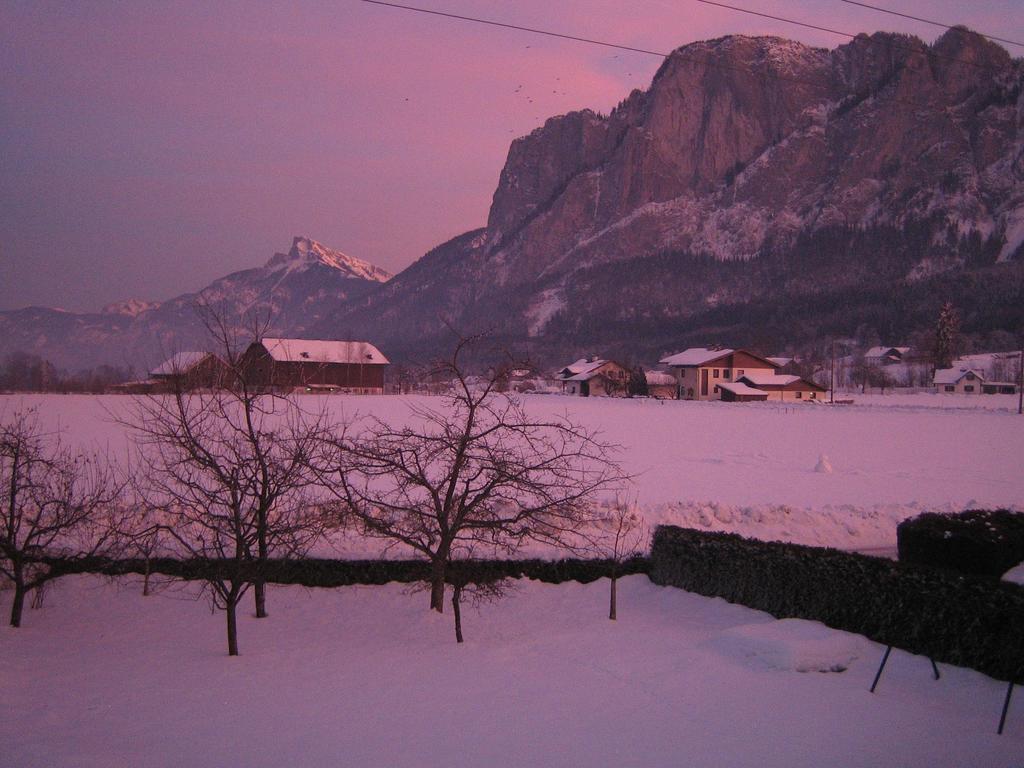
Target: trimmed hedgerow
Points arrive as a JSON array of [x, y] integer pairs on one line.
[[338, 573], [962, 620], [980, 541]]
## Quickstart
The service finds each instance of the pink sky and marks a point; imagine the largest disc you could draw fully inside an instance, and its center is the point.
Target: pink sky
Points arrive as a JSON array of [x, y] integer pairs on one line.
[[148, 148]]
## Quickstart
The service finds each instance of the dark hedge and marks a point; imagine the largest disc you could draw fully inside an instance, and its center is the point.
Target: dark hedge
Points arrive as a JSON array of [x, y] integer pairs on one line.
[[980, 541], [963, 620], [339, 573]]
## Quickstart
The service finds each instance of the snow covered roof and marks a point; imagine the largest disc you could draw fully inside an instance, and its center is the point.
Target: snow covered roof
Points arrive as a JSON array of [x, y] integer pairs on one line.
[[739, 388], [317, 351], [659, 378], [780, 361], [178, 364], [759, 379], [884, 351], [953, 375], [695, 356], [584, 365]]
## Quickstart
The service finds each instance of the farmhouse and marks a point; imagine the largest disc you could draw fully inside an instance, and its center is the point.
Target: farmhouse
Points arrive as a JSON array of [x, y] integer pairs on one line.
[[885, 355], [354, 367], [190, 370], [699, 371], [962, 381], [594, 377], [781, 386]]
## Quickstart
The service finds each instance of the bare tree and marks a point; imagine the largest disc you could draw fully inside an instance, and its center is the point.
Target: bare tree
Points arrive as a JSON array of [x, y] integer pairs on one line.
[[57, 503], [480, 471], [230, 472], [619, 535]]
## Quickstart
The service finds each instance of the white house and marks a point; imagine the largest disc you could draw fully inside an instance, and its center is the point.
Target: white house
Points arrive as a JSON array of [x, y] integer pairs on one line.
[[594, 377], [961, 381], [699, 371]]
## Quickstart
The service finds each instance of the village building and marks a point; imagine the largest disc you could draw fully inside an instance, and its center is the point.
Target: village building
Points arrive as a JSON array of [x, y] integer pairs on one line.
[[660, 385], [699, 371], [594, 377], [308, 365], [189, 370], [886, 355], [961, 381], [740, 392], [777, 386]]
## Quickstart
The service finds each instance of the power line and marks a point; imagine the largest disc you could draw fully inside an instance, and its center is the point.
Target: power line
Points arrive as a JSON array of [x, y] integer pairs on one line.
[[854, 37], [929, 21], [591, 41]]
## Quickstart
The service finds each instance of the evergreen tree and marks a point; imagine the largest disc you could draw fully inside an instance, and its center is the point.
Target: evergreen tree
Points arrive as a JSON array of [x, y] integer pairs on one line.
[[637, 386], [947, 329]]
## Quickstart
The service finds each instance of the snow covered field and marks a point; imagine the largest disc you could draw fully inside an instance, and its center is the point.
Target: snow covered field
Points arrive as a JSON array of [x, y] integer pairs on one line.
[[747, 468], [368, 676]]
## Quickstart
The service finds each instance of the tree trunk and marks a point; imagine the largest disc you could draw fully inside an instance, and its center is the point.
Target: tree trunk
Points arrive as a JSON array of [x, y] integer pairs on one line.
[[437, 573], [611, 610], [19, 603], [260, 585], [260, 591], [456, 597], [232, 627], [145, 580]]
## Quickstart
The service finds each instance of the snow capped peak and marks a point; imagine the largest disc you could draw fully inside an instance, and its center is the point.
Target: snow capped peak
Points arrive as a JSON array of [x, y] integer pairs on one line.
[[129, 307], [306, 252]]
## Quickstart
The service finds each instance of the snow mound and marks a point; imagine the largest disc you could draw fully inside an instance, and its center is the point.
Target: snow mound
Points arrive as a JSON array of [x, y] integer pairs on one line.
[[823, 465], [791, 645]]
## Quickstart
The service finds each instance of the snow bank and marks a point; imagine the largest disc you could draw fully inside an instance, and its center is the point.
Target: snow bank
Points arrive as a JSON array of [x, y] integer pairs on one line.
[[792, 645]]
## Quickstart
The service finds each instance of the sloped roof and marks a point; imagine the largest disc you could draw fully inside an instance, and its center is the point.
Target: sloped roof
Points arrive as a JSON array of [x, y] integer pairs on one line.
[[739, 388], [318, 351], [884, 351], [178, 364], [659, 378], [573, 371], [759, 379], [953, 375], [695, 356], [780, 361]]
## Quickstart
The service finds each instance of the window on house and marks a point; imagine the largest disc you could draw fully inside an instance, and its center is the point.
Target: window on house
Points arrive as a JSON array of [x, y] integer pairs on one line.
[[799, 395], [814, 395], [968, 387], [740, 372], [725, 373], [950, 388], [716, 388], [716, 372]]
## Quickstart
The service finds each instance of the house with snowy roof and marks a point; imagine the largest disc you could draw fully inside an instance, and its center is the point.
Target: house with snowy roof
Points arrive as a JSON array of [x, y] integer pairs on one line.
[[699, 371], [776, 386], [190, 370], [594, 377], [960, 380], [885, 355], [314, 365]]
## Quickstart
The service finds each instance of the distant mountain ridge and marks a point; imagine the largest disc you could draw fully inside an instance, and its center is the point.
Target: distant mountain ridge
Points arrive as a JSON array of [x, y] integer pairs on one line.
[[760, 193], [300, 288]]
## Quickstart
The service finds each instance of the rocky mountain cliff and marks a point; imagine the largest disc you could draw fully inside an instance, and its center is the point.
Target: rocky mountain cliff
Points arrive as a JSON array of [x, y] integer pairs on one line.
[[759, 191], [298, 289]]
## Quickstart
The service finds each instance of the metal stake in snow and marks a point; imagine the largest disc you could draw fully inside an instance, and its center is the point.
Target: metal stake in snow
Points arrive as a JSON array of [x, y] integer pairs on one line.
[[823, 465]]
